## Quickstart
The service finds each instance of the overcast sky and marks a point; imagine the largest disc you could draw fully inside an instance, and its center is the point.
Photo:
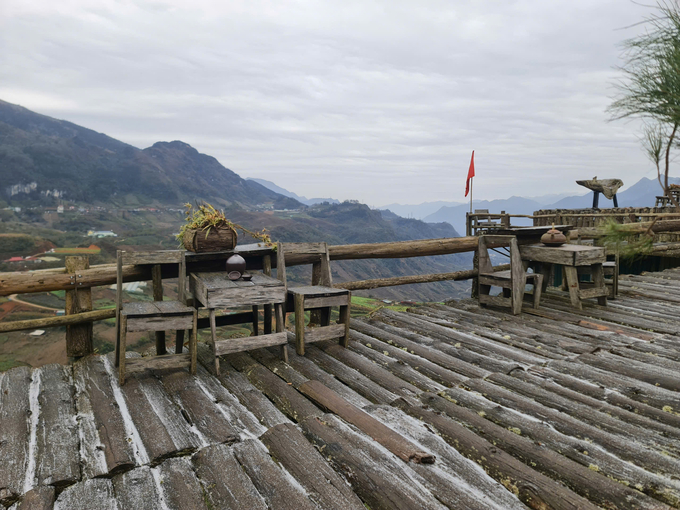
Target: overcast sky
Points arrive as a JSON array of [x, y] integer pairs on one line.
[[380, 101]]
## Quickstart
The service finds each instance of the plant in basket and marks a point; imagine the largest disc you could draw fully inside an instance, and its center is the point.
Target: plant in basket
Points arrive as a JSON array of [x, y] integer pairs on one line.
[[208, 229]]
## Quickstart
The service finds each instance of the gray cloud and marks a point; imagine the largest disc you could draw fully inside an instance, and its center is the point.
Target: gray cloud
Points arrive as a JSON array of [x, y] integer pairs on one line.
[[379, 101]]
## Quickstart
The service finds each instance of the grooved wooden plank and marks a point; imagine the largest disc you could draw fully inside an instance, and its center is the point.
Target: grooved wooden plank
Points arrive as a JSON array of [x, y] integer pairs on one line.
[[318, 302], [371, 370], [202, 411], [105, 446], [323, 485], [57, 448], [395, 443], [324, 332], [181, 488], [161, 426], [239, 385], [93, 494], [284, 397], [14, 432], [137, 489], [534, 489], [224, 481], [152, 257], [275, 485], [164, 362], [39, 498], [160, 323], [456, 481], [380, 479], [351, 377], [230, 345]]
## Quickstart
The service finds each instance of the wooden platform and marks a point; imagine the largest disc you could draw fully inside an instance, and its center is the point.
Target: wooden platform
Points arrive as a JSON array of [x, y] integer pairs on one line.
[[555, 408]]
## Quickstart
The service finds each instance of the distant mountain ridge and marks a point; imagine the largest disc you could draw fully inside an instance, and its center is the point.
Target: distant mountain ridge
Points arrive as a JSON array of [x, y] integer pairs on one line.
[[278, 189], [39, 154], [641, 194]]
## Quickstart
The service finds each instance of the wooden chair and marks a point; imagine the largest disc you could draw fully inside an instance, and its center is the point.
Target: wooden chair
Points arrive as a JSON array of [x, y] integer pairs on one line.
[[512, 281], [158, 315], [318, 297]]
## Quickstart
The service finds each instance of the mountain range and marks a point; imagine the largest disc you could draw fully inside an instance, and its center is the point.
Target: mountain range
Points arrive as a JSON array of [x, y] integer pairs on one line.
[[303, 200], [42, 157], [641, 194], [103, 183]]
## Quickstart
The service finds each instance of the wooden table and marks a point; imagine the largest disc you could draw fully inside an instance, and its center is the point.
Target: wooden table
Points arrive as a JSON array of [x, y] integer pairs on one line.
[[215, 290], [571, 257]]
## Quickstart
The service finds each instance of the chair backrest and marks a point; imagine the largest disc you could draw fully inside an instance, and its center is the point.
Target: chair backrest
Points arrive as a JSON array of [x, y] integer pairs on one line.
[[154, 259], [494, 241], [321, 267]]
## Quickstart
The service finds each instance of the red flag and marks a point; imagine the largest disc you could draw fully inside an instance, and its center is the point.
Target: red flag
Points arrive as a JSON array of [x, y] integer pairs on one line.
[[471, 174]]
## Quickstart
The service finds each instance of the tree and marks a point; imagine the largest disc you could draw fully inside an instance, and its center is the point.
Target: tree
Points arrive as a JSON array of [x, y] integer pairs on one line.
[[650, 88]]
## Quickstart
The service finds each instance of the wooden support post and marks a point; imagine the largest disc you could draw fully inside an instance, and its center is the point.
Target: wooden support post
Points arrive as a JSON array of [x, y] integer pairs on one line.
[[281, 327], [344, 319], [474, 294], [158, 296], [300, 324], [78, 336], [213, 337], [267, 270], [256, 317]]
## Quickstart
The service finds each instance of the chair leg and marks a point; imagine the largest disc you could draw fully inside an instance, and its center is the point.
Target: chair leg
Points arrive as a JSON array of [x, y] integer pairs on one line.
[[517, 296], [256, 318], [117, 354], [281, 327], [213, 338], [571, 278], [344, 319], [179, 341], [538, 289], [267, 319], [300, 324], [193, 347], [121, 352]]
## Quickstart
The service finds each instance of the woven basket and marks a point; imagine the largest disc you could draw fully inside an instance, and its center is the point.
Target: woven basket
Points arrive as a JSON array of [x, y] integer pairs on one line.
[[217, 239]]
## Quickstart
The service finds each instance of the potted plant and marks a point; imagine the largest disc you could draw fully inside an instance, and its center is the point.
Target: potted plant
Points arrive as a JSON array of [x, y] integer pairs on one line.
[[208, 229]]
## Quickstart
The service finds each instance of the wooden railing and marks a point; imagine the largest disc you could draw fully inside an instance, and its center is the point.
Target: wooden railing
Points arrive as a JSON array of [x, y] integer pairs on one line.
[[81, 281]]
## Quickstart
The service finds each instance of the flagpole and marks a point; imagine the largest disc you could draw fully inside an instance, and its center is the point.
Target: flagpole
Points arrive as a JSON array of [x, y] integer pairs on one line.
[[472, 180]]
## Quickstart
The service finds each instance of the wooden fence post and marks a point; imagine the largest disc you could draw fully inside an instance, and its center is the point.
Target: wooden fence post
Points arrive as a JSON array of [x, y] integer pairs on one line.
[[78, 336]]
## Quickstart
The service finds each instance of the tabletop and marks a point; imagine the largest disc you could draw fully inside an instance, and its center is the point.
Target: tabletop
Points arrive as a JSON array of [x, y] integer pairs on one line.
[[567, 254], [215, 289]]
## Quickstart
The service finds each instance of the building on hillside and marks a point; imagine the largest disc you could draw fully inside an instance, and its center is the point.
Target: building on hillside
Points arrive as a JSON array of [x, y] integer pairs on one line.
[[15, 259], [60, 209], [101, 233]]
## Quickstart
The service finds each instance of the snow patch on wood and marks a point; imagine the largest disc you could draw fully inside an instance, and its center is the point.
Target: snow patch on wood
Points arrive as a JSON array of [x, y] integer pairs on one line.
[[141, 455], [34, 393]]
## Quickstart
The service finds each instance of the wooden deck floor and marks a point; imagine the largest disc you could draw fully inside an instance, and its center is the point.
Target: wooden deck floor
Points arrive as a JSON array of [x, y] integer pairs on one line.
[[555, 408]]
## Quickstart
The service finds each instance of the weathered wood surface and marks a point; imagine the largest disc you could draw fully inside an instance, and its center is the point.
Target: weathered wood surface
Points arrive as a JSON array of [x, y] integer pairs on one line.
[[395, 443], [40, 498], [106, 447], [64, 320], [224, 480], [379, 479], [57, 441], [181, 488], [137, 489], [93, 494], [270, 479], [230, 345], [78, 336], [561, 408], [323, 485], [15, 432], [408, 280]]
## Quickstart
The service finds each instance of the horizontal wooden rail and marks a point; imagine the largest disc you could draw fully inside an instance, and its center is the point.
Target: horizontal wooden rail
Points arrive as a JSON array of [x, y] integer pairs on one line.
[[51, 279], [407, 280], [64, 320]]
